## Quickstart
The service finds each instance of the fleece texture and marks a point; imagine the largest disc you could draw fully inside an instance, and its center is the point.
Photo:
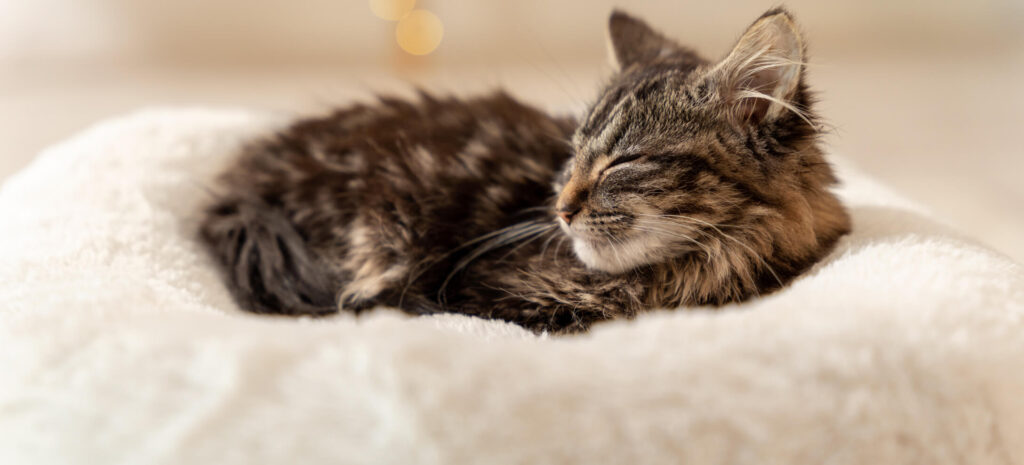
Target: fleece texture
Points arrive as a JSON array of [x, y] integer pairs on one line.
[[119, 344]]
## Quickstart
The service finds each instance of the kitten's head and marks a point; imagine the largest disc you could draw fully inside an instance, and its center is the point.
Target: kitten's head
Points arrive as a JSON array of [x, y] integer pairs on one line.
[[682, 155]]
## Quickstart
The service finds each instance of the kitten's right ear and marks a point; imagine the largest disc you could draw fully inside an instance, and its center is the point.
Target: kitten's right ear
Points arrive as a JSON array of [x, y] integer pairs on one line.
[[761, 75], [632, 41]]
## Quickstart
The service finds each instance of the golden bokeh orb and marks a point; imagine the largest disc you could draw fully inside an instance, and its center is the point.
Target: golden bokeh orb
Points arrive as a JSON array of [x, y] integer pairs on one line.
[[392, 10], [419, 32]]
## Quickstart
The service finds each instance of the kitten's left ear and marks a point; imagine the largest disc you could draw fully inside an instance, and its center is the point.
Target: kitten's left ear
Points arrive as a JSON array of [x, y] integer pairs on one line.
[[632, 41], [762, 74]]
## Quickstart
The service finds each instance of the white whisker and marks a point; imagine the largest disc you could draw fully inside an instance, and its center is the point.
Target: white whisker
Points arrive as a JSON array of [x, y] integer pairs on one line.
[[498, 239], [753, 253]]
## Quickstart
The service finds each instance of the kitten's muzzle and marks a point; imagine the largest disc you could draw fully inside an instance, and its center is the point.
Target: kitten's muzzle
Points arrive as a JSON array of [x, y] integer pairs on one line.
[[570, 200]]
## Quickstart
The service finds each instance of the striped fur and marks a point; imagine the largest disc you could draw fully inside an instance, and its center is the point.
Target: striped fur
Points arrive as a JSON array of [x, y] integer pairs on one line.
[[686, 183]]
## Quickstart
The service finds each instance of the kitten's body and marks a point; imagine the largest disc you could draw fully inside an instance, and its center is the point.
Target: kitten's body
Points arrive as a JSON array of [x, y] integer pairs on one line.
[[386, 200], [665, 197]]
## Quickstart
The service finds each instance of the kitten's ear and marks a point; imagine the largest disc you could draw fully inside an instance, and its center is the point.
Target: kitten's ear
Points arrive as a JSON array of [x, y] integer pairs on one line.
[[632, 41], [762, 74]]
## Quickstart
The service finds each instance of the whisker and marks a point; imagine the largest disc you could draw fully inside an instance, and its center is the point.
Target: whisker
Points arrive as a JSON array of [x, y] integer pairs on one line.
[[547, 242], [558, 248], [504, 237], [547, 229], [718, 225], [704, 248], [426, 264], [738, 242]]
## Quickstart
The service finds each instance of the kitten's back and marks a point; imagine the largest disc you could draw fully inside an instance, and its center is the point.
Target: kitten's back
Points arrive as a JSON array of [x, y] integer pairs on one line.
[[373, 204]]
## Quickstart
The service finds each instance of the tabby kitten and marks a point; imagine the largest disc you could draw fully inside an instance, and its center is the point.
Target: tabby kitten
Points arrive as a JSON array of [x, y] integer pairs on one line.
[[687, 183]]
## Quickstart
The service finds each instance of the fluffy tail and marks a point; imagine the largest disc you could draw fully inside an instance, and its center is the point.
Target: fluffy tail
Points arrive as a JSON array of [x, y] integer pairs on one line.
[[268, 266]]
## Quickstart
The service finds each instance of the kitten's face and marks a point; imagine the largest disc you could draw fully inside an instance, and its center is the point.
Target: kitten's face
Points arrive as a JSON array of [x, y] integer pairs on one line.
[[676, 150], [642, 200]]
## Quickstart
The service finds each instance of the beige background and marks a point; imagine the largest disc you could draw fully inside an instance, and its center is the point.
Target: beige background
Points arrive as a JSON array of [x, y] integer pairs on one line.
[[924, 95]]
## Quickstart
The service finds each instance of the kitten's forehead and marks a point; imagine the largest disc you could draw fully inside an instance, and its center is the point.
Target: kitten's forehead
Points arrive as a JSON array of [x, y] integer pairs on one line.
[[639, 109]]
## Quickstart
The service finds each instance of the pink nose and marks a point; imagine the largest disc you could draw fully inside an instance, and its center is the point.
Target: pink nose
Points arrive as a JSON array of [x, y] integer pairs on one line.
[[566, 214]]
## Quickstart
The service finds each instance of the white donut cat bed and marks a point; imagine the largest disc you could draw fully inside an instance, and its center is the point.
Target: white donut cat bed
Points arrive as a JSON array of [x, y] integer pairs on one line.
[[120, 344]]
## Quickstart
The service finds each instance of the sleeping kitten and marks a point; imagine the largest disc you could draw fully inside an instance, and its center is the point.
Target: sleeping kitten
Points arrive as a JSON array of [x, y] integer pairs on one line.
[[687, 183]]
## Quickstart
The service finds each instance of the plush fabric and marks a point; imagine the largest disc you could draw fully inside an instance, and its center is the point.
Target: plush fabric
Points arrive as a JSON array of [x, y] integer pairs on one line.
[[120, 344]]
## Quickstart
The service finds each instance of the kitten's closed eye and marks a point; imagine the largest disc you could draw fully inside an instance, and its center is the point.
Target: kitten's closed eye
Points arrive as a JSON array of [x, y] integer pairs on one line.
[[623, 160], [618, 163]]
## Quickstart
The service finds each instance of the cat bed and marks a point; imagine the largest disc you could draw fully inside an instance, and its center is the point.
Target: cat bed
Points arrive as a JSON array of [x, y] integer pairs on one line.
[[120, 344]]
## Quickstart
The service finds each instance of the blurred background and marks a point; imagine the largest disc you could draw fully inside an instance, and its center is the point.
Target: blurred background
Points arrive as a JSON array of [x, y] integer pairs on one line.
[[925, 95]]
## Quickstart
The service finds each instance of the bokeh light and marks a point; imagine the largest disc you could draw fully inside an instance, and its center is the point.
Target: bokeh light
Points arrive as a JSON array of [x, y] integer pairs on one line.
[[392, 10], [419, 32]]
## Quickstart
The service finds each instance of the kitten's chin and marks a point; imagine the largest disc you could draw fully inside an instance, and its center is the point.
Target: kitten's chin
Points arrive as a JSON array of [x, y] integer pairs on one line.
[[614, 258]]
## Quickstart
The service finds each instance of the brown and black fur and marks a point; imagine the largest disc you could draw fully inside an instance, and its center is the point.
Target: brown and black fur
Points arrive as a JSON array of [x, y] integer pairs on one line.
[[687, 183]]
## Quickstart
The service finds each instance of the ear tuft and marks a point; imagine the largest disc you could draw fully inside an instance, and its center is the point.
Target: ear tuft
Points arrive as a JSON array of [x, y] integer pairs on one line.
[[762, 74], [632, 41]]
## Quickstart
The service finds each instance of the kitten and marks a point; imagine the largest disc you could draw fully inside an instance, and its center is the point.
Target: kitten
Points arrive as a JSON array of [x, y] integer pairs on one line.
[[687, 183]]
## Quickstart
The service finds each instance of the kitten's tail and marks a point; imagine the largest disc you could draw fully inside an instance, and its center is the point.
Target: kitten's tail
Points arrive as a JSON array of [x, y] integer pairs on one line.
[[268, 265]]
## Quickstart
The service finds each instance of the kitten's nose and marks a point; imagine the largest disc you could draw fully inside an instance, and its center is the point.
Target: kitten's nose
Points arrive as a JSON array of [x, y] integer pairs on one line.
[[566, 213]]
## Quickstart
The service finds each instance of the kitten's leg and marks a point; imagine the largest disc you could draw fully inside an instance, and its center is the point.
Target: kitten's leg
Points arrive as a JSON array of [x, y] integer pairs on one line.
[[560, 300], [373, 264], [268, 265]]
